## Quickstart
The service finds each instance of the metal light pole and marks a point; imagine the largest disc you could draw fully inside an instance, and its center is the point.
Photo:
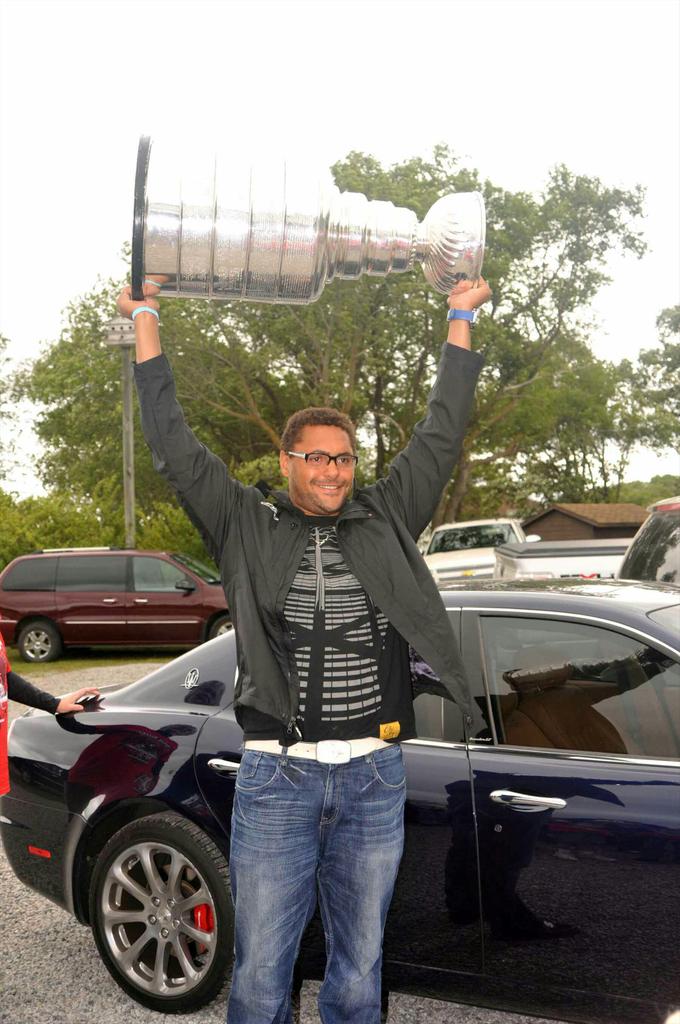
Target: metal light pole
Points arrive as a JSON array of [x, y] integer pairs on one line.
[[121, 332]]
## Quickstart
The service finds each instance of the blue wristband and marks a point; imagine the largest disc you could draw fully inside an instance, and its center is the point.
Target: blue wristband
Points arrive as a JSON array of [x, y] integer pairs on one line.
[[463, 314], [156, 284], [144, 309]]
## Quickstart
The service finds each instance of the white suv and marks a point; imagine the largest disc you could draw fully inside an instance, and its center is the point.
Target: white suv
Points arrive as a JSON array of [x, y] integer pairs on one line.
[[464, 549]]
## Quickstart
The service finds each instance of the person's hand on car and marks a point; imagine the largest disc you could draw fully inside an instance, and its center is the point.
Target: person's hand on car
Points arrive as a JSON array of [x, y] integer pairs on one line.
[[70, 701]]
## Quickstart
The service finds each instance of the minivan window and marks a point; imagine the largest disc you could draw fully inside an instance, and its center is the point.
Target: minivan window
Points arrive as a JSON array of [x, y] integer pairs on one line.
[[31, 574], [203, 571], [92, 572], [155, 574]]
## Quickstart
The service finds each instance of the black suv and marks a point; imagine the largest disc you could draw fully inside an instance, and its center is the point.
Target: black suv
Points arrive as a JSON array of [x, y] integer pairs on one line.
[[654, 552]]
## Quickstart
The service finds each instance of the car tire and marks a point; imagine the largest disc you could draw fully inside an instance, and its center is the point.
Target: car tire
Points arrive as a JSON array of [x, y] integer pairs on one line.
[[39, 641], [222, 624], [164, 858]]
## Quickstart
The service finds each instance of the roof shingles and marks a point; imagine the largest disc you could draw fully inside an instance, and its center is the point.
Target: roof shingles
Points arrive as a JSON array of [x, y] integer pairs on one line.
[[600, 513]]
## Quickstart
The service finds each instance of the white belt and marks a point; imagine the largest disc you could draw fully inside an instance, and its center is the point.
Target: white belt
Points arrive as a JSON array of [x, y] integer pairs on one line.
[[326, 751]]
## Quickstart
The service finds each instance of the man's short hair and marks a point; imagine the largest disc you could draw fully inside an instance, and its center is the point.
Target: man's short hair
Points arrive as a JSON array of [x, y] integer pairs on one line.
[[316, 416]]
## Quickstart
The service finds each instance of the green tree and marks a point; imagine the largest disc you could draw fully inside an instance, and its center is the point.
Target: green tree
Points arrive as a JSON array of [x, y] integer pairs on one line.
[[588, 431], [543, 288], [53, 520], [166, 527], [76, 386], [646, 492], [656, 383]]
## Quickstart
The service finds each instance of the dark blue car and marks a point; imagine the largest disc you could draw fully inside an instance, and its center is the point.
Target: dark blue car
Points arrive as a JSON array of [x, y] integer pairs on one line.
[[542, 863]]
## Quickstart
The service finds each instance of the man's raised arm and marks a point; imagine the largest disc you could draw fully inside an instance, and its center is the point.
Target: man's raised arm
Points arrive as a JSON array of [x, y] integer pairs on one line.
[[200, 479], [419, 473]]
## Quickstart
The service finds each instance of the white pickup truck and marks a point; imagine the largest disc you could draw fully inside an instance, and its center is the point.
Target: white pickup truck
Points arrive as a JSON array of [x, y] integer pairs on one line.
[[459, 550], [556, 559]]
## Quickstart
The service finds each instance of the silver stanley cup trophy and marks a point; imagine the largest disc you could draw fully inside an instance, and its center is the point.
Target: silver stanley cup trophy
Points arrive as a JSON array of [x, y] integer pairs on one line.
[[216, 228]]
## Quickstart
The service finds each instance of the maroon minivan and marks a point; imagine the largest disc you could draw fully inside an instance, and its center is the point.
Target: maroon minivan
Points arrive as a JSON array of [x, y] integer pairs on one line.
[[85, 596]]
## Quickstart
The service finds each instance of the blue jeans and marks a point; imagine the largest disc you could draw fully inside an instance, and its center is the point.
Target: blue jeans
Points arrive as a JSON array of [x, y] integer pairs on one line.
[[299, 826]]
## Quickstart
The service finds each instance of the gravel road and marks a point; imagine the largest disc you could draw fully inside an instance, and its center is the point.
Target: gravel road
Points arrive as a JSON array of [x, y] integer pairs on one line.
[[50, 969]]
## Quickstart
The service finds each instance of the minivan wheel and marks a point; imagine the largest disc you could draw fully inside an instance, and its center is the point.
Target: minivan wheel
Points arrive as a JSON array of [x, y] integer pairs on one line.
[[161, 913], [222, 624], [39, 641]]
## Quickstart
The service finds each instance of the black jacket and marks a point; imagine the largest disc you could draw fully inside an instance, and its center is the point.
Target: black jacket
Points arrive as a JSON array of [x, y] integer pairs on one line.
[[258, 544]]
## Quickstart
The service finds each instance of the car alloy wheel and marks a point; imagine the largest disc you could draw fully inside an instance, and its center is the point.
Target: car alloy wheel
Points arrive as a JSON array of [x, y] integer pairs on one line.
[[39, 641], [161, 913]]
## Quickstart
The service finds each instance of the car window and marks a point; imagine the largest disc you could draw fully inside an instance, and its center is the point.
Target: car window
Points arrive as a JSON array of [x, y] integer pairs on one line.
[[92, 572], [201, 570], [438, 717], [654, 554], [155, 574], [669, 616], [429, 717], [487, 536], [31, 574], [574, 686]]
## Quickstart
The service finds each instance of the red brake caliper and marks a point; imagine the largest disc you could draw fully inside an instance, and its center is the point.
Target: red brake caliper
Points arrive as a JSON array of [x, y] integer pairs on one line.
[[204, 921]]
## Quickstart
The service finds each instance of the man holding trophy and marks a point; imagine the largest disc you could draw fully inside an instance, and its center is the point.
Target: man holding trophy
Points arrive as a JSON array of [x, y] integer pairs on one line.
[[327, 590]]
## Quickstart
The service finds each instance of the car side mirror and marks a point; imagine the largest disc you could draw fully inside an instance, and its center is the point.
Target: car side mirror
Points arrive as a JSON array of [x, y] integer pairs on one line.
[[186, 585]]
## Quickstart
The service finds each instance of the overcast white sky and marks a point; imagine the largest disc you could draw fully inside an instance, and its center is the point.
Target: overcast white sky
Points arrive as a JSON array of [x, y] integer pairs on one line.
[[514, 87]]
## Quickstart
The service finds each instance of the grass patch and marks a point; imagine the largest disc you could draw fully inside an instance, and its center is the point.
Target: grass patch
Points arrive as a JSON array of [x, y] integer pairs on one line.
[[76, 659]]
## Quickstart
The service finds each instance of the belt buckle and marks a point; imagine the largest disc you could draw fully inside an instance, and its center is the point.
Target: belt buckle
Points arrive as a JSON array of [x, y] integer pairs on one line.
[[333, 751]]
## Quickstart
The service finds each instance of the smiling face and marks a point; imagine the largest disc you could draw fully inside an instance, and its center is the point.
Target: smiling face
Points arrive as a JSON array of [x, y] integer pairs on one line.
[[319, 490]]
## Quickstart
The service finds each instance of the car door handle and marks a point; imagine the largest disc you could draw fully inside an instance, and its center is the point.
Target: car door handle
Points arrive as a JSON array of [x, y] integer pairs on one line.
[[141, 600], [109, 600], [526, 802], [218, 765]]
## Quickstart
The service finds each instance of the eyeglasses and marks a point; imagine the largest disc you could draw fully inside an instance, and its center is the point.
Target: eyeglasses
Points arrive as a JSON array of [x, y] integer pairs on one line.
[[324, 459]]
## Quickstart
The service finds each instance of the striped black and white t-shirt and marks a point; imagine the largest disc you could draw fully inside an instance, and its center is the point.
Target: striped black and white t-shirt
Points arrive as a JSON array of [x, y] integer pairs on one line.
[[352, 665], [337, 636]]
